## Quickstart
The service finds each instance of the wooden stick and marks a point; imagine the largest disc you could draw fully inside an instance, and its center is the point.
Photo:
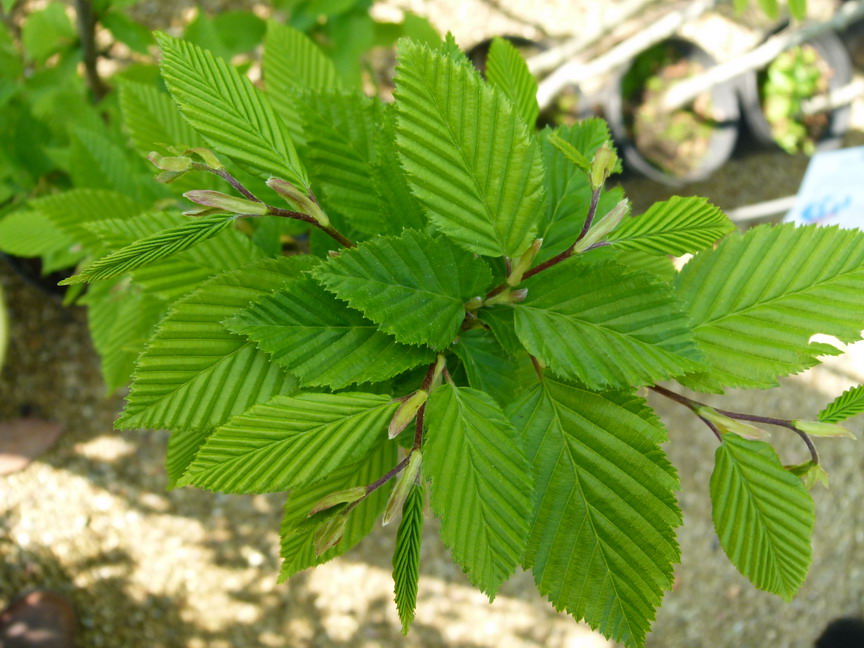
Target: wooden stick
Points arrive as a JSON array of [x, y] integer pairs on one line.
[[685, 92]]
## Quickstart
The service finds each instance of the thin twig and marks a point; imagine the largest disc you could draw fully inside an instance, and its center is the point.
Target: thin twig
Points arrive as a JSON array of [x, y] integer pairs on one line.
[[87, 33]]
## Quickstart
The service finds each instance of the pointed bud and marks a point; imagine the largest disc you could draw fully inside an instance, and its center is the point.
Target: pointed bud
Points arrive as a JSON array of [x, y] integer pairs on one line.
[[207, 155], [726, 424], [603, 165], [299, 199], [604, 226], [173, 164], [820, 429], [404, 482], [406, 412], [523, 263], [225, 203], [330, 533], [347, 496], [473, 304]]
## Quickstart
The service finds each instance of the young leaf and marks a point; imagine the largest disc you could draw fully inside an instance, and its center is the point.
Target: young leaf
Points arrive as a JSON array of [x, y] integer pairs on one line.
[[848, 404], [602, 543], [297, 543], [289, 441], [481, 483], [763, 515], [121, 319], [675, 226], [341, 128], [174, 277], [152, 119], [413, 286], [507, 71], [71, 212], [192, 358], [153, 248], [605, 326], [232, 115], [469, 158], [757, 298], [406, 557], [293, 63], [490, 368], [321, 340]]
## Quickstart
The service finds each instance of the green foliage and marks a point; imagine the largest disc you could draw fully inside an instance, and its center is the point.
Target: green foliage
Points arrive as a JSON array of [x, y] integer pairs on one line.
[[468, 156], [763, 515], [484, 500], [277, 363], [604, 511], [406, 556], [756, 300], [848, 404]]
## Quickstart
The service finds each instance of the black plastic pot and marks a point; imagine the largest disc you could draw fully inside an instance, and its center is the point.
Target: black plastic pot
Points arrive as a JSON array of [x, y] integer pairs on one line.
[[724, 105], [832, 51]]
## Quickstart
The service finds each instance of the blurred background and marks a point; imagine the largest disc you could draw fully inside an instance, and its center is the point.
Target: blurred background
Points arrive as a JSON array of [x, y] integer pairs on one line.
[[91, 518]]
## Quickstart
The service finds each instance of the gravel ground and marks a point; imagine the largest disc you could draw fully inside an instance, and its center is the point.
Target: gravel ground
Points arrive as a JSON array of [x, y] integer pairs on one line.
[[151, 568]]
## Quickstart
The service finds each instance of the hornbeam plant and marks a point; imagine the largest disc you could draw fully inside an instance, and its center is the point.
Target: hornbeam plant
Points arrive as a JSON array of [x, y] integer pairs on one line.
[[466, 316]]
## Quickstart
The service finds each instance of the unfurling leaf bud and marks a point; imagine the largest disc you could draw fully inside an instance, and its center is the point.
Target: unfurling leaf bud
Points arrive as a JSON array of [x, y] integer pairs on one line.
[[473, 304], [603, 165], [330, 533], [523, 262], [569, 151], [507, 297], [299, 199], [726, 424], [820, 429], [604, 226], [440, 365], [406, 412], [207, 155], [173, 164], [810, 473], [404, 482], [347, 496], [225, 203]]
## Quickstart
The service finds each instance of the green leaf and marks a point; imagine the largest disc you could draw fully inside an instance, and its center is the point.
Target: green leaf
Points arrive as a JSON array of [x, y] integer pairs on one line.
[[174, 277], [72, 211], [341, 128], [468, 156], [137, 37], [763, 515], [297, 547], [756, 300], [29, 233], [192, 358], [153, 248], [602, 543], [294, 63], [507, 71], [321, 340], [675, 226], [290, 441], [770, 8], [97, 162], [848, 404], [121, 319], [406, 557], [232, 115], [605, 326], [413, 286], [491, 369], [152, 119], [798, 9], [47, 31], [481, 483]]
